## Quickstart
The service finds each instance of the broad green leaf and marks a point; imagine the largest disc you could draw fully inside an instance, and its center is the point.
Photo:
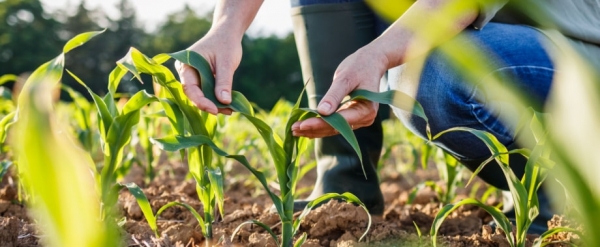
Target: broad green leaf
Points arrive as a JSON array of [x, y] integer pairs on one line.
[[496, 214], [275, 149], [7, 78], [50, 165], [137, 101], [340, 124], [161, 58], [117, 137], [109, 100], [136, 62], [348, 197], [189, 208], [394, 98], [103, 111], [114, 79], [144, 204], [174, 115], [258, 223], [50, 72], [79, 40]]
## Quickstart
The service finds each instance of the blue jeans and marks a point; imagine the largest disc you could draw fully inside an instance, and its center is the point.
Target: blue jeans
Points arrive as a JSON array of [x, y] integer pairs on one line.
[[449, 100]]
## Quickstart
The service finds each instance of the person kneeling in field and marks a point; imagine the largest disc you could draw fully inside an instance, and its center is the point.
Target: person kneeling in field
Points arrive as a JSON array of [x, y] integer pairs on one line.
[[515, 52]]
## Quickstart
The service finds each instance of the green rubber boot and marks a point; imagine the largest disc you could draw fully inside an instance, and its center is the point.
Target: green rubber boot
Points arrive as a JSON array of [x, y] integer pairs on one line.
[[325, 35]]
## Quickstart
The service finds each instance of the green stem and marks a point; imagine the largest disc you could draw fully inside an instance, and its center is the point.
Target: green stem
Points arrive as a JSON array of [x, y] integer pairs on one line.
[[287, 233]]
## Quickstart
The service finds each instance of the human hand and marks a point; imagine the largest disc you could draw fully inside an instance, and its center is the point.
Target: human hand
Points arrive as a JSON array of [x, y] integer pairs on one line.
[[361, 70], [224, 54]]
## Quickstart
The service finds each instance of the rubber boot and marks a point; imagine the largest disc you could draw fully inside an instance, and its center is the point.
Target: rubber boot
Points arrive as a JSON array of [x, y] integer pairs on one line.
[[493, 175], [325, 35]]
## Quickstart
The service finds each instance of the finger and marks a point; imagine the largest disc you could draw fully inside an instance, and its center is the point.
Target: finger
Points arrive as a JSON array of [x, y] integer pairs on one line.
[[358, 114], [225, 111], [190, 83], [336, 93], [223, 82]]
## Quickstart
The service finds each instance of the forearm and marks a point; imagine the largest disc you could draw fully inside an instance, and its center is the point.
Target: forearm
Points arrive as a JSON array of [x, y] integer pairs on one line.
[[424, 26], [233, 17]]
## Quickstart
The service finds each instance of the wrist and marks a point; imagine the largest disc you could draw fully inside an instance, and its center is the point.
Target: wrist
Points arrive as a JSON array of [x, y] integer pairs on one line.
[[226, 32]]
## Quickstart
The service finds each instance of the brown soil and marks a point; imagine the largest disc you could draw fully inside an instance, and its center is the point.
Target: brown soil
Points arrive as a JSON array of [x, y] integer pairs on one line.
[[333, 224]]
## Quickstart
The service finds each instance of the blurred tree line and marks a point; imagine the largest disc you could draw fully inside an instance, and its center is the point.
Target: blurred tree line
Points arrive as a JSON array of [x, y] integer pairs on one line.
[[30, 36]]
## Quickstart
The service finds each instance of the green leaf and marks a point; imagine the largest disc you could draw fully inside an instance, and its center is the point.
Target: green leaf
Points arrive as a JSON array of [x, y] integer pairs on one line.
[[176, 143], [144, 204], [103, 112], [539, 242], [174, 115], [114, 79], [216, 183], [5, 124], [495, 146], [300, 241], [258, 223], [137, 101], [189, 208], [496, 214], [339, 123], [137, 63], [7, 78], [80, 40], [118, 136], [394, 98]]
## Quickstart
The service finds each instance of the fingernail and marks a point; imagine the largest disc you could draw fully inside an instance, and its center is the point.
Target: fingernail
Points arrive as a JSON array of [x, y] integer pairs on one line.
[[324, 107], [296, 126], [225, 96]]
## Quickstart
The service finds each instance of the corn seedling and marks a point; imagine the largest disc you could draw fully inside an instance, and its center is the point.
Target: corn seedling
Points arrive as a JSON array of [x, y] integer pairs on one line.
[[450, 172], [50, 165], [189, 124], [81, 113], [524, 190], [144, 204], [115, 127]]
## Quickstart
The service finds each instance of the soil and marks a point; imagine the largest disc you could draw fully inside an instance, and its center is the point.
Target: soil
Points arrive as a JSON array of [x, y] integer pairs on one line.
[[332, 224]]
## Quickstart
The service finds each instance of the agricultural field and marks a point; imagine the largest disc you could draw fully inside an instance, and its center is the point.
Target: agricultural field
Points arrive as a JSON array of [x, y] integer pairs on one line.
[[152, 170]]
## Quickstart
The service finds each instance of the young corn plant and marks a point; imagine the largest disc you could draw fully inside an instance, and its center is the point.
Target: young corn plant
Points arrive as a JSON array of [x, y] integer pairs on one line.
[[81, 113], [450, 172], [524, 190], [115, 127], [189, 124], [54, 171], [144, 204]]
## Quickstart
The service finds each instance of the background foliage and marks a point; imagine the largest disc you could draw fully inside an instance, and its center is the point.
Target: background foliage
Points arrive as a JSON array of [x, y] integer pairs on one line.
[[30, 33]]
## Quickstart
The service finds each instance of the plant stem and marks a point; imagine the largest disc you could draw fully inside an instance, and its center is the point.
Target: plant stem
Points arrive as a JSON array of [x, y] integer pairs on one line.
[[287, 235]]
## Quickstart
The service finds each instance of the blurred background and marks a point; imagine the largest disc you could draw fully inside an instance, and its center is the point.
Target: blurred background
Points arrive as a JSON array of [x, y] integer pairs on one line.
[[34, 31]]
